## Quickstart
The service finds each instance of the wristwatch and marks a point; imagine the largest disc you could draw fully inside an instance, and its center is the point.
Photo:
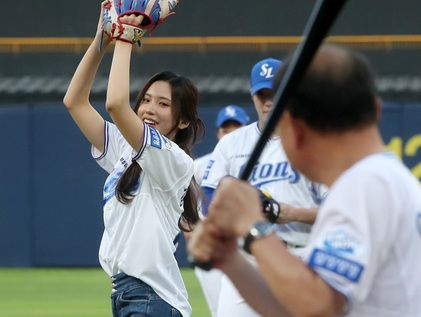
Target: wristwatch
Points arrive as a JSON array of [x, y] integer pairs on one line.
[[260, 229], [271, 208]]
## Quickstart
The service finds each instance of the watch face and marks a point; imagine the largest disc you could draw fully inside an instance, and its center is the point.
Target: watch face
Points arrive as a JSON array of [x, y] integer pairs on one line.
[[259, 230]]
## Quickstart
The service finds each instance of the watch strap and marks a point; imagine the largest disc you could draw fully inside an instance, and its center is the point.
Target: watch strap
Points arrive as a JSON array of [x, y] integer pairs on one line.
[[260, 229]]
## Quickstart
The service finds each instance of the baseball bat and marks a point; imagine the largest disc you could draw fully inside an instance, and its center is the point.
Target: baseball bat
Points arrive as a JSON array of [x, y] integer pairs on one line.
[[319, 23]]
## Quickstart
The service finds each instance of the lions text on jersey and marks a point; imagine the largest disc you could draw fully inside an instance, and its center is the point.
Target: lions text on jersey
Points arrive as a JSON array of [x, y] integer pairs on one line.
[[272, 173]]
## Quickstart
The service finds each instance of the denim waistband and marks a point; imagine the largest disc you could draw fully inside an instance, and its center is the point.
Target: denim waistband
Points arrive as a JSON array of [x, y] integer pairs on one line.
[[121, 278], [123, 281]]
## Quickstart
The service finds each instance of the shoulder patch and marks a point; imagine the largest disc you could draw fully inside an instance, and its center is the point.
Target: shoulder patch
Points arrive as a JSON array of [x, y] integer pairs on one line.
[[207, 169], [336, 264], [155, 138], [341, 241]]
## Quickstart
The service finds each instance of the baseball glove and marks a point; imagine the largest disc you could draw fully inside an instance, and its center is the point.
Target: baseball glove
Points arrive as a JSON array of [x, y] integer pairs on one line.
[[154, 12]]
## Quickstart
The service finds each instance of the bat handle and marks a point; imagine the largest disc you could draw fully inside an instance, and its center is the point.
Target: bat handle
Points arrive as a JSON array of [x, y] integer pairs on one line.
[[204, 265]]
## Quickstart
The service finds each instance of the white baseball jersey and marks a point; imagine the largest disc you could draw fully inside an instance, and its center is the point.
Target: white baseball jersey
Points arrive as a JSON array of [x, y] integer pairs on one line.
[[139, 238], [366, 242], [210, 281], [199, 167], [272, 173]]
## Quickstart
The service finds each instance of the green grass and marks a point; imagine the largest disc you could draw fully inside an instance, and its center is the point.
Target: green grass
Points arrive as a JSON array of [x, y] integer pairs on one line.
[[70, 293]]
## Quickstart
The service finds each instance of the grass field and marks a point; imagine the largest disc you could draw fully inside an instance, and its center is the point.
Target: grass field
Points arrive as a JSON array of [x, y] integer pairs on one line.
[[70, 293]]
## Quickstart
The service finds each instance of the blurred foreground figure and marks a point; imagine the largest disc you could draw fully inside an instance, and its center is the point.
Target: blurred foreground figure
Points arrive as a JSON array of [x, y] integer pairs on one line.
[[365, 247]]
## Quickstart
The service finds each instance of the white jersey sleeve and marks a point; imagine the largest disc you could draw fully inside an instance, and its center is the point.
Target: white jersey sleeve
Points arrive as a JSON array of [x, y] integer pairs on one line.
[[200, 166], [163, 160], [218, 165], [113, 147], [339, 243], [363, 225]]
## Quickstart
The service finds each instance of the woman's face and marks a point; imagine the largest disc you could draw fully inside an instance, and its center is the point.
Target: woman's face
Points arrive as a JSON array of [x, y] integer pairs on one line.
[[156, 108]]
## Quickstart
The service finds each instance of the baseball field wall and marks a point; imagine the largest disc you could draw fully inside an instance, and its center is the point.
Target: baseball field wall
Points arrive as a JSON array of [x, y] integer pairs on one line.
[[51, 188]]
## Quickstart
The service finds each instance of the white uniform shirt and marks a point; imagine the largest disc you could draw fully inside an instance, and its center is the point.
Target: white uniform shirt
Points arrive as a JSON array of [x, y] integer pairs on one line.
[[366, 242], [199, 167], [273, 173], [139, 237]]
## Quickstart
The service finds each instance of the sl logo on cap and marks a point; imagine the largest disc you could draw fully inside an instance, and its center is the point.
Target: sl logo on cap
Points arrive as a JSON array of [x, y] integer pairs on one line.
[[267, 71], [230, 111]]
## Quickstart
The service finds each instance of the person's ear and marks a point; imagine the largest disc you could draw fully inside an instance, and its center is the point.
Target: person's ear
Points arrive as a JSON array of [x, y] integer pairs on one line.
[[300, 132], [183, 124], [296, 133]]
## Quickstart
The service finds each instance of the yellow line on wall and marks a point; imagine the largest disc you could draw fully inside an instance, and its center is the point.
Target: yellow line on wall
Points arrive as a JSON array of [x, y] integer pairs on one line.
[[75, 44]]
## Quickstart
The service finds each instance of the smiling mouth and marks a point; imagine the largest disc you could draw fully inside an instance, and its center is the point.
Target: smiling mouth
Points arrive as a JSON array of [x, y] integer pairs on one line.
[[149, 122]]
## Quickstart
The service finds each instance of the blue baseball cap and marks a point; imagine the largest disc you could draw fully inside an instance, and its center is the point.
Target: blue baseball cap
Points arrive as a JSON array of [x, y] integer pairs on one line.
[[262, 74], [232, 113]]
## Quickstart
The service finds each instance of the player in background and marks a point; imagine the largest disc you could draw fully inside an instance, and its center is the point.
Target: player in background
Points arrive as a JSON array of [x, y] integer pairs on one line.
[[148, 194], [273, 173], [229, 119], [365, 248]]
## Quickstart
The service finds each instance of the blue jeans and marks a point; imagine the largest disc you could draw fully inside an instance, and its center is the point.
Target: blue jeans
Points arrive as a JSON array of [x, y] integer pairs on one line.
[[133, 298]]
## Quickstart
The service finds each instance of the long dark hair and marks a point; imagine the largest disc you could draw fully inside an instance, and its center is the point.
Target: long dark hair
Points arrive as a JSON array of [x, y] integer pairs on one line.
[[184, 98]]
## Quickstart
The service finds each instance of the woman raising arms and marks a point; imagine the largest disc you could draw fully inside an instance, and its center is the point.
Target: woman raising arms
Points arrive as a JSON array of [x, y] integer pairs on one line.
[[149, 193]]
